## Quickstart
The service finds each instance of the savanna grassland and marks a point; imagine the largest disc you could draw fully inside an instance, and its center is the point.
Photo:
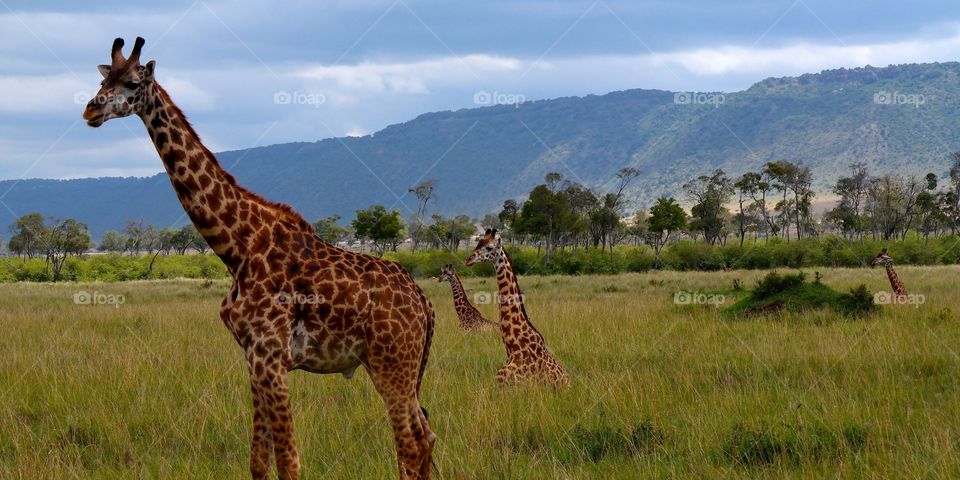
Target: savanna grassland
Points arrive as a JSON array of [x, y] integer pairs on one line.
[[157, 388]]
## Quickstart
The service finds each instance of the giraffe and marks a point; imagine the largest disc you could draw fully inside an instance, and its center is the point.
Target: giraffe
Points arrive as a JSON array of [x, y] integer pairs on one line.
[[296, 302], [470, 317], [527, 355], [896, 284]]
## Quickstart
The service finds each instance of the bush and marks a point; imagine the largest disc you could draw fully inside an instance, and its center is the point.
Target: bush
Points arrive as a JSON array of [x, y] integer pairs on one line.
[[774, 283], [857, 303]]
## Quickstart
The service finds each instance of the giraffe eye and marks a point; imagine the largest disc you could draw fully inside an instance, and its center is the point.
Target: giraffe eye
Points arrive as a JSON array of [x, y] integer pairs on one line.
[[131, 85]]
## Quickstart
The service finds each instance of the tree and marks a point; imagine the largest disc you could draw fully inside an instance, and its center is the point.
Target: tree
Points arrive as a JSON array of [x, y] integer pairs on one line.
[[384, 229], [66, 237], [709, 194], [424, 193], [449, 232], [545, 213], [113, 241], [29, 235], [329, 229], [780, 172], [747, 187], [187, 237], [892, 204], [666, 217], [847, 215]]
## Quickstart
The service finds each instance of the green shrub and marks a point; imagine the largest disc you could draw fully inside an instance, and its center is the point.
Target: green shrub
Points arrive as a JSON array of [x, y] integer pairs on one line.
[[774, 283]]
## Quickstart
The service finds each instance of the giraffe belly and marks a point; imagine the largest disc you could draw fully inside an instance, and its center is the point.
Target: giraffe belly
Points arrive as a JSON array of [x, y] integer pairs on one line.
[[322, 351]]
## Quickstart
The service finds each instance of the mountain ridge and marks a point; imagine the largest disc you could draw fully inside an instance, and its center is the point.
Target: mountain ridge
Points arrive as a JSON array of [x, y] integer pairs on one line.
[[482, 156]]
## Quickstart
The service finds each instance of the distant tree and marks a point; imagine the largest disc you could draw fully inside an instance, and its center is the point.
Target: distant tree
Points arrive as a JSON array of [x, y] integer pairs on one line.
[[329, 229], [382, 228], [424, 193], [892, 204], [666, 218], [509, 214], [29, 235], [848, 214], [709, 194], [140, 236], [545, 214], [113, 241], [747, 186], [449, 232], [781, 172], [187, 237], [492, 221], [66, 237]]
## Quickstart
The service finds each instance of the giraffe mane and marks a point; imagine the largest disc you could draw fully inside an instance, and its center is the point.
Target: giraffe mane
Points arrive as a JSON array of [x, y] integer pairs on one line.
[[282, 208]]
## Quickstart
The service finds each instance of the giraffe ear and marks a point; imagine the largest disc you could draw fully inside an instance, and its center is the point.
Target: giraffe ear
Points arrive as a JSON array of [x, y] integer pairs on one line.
[[104, 70], [148, 70]]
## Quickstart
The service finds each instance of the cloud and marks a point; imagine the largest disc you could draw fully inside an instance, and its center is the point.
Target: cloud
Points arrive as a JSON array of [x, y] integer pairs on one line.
[[412, 77]]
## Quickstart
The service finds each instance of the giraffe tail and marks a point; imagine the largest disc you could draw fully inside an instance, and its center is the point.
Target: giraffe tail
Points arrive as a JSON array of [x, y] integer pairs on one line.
[[428, 339]]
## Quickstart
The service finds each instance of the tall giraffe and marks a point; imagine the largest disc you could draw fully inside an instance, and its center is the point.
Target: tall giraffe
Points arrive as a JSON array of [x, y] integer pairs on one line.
[[527, 355], [296, 302], [470, 317], [895, 283]]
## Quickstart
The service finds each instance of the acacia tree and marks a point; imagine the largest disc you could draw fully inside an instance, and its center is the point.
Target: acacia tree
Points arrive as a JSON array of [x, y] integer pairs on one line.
[[329, 229], [113, 241], [780, 173], [382, 228], [424, 193], [848, 214], [709, 194], [65, 238], [666, 217], [29, 235], [188, 237]]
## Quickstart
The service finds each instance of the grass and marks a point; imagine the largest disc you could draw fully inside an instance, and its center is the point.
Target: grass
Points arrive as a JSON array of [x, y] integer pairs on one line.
[[156, 387]]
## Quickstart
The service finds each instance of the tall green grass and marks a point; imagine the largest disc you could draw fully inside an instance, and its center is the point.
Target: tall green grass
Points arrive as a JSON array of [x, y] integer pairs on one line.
[[156, 387]]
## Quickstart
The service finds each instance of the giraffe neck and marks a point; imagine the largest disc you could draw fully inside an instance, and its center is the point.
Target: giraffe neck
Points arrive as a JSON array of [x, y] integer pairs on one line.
[[460, 302], [209, 194], [895, 282], [514, 323]]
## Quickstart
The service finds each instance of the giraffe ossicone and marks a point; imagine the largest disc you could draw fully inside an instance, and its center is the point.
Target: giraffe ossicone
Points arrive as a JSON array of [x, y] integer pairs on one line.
[[362, 310], [527, 354]]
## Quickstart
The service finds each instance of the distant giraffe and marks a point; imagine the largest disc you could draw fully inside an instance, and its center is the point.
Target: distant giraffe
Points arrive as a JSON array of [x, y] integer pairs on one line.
[[470, 317], [527, 355], [296, 301], [895, 283]]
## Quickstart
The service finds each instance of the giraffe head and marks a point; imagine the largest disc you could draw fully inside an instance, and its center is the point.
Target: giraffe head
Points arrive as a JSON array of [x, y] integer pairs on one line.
[[882, 258], [447, 273], [489, 248], [122, 91]]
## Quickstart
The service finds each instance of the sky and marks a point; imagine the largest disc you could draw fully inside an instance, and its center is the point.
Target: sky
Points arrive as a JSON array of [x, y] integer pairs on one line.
[[258, 73]]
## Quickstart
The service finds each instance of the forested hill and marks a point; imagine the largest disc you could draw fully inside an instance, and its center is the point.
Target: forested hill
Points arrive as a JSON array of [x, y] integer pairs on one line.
[[898, 119]]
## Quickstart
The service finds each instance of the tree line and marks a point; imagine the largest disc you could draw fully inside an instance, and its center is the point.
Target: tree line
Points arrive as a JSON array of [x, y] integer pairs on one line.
[[774, 201]]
